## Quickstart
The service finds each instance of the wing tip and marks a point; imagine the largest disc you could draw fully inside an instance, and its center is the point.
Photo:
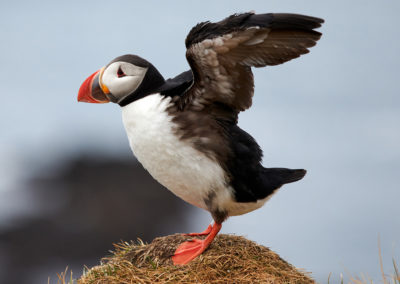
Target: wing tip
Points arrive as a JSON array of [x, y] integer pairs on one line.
[[285, 20]]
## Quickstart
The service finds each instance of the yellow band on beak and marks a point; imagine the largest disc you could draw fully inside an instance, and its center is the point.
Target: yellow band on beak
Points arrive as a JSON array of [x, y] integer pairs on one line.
[[103, 87]]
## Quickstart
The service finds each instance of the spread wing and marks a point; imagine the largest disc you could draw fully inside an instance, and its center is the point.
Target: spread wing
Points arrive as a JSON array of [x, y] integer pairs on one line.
[[221, 54]]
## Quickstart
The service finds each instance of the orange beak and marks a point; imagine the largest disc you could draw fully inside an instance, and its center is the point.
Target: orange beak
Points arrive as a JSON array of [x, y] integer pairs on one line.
[[91, 91]]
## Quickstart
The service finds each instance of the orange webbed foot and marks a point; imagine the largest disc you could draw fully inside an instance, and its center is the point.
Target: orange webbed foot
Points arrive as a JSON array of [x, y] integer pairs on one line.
[[189, 250]]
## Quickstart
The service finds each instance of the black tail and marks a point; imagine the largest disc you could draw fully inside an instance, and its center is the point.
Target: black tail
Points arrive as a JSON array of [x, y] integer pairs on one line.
[[276, 177]]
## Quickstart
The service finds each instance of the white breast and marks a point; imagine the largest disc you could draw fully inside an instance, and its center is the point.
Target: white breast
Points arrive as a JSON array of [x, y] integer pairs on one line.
[[174, 163]]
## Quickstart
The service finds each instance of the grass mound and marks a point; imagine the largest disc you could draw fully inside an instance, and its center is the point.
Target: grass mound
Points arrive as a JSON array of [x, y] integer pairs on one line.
[[229, 259]]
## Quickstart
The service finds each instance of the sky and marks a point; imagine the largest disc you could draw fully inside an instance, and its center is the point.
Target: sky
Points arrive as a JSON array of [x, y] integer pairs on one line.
[[334, 112]]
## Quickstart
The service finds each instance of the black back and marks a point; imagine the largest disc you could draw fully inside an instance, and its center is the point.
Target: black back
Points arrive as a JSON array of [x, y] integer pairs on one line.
[[178, 85], [249, 179]]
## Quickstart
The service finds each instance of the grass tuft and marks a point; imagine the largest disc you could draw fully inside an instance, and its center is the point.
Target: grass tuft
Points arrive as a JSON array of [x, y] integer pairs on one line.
[[63, 278], [396, 276]]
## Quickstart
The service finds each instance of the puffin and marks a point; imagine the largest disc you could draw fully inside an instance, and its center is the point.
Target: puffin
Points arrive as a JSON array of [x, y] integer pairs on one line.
[[184, 130]]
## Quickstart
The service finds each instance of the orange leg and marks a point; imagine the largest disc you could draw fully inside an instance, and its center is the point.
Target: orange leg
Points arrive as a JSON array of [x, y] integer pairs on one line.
[[204, 233], [189, 250]]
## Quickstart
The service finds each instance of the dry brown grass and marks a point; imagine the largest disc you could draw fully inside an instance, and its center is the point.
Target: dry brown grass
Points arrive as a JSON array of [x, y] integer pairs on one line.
[[230, 259]]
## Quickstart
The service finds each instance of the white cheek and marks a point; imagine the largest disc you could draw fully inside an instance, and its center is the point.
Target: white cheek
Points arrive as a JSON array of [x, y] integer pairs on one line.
[[123, 86]]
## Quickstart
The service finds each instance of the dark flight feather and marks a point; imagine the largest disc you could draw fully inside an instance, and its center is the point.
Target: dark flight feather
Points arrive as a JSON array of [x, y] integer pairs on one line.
[[236, 22], [221, 54]]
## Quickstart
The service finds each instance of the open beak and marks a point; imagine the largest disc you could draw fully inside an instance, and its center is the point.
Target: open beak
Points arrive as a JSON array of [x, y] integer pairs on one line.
[[91, 91]]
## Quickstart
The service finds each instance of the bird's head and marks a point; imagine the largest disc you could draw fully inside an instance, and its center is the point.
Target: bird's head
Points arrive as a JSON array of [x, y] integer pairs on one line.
[[124, 79]]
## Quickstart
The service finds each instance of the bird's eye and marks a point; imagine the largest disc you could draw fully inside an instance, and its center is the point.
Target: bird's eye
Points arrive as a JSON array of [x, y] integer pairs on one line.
[[120, 73]]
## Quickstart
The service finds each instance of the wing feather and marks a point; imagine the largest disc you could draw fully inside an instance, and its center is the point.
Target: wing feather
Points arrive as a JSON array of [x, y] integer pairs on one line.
[[221, 54]]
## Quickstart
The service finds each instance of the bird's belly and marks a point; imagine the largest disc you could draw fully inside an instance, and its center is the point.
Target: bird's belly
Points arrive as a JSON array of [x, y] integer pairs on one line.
[[173, 162]]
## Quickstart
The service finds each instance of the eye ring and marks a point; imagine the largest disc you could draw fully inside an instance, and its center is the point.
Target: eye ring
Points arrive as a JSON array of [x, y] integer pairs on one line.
[[120, 73]]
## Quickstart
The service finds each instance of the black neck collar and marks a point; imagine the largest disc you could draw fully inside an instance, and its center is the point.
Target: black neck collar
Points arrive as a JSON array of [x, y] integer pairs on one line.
[[152, 83]]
